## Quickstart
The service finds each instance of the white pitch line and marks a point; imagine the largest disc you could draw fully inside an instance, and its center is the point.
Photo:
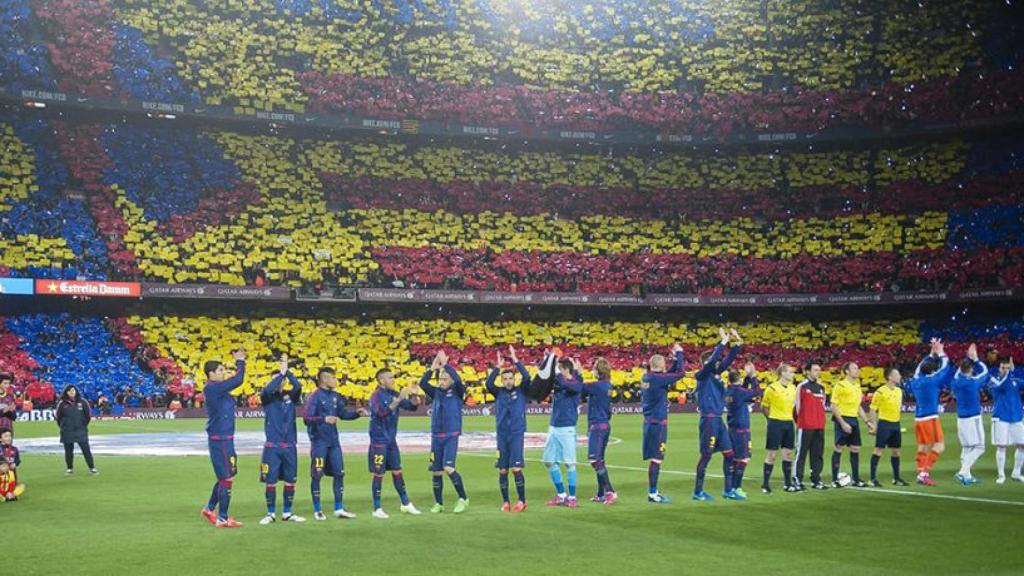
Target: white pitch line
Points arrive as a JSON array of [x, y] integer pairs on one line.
[[866, 490]]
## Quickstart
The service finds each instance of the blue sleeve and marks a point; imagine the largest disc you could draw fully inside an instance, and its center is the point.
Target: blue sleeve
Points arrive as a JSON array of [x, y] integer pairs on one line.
[[944, 377], [754, 392], [457, 383], [425, 383], [296, 391], [677, 363], [709, 366], [17, 457], [571, 385], [733, 352], [980, 373], [491, 379], [346, 414], [407, 404], [268, 392], [656, 380], [525, 374], [228, 385], [312, 414]]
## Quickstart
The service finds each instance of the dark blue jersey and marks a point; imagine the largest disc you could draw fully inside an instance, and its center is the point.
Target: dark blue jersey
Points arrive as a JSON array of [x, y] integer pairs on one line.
[[321, 404], [220, 404], [446, 405], [599, 402], [384, 420], [509, 403], [737, 403], [279, 410], [654, 390], [710, 388], [565, 400], [967, 390]]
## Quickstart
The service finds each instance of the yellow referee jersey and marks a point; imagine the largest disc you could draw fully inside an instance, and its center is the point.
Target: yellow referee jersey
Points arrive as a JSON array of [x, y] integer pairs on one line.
[[779, 401], [847, 396], [888, 402]]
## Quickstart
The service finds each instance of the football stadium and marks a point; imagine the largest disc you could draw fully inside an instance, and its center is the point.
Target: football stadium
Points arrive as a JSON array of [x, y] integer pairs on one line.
[[511, 287]]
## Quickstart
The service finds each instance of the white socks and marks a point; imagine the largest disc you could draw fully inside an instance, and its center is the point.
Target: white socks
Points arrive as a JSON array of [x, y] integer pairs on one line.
[[968, 456]]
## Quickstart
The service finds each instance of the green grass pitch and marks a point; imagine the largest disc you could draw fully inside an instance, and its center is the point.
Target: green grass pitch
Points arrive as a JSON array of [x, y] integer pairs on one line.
[[141, 516]]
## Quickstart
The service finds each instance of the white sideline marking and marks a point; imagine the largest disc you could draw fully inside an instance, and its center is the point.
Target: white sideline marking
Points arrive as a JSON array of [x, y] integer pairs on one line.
[[867, 490]]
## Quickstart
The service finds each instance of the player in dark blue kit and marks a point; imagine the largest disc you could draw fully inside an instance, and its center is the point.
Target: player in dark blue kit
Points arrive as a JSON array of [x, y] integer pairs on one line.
[[385, 402], [324, 408], [560, 447], [654, 388], [510, 420], [220, 432], [280, 456], [598, 396], [445, 429], [744, 388], [714, 437]]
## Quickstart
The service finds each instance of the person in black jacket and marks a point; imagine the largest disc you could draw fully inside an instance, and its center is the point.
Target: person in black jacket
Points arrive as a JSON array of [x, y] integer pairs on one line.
[[73, 415]]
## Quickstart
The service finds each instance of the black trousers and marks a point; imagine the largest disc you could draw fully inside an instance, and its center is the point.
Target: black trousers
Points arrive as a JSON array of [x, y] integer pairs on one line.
[[812, 442], [69, 454]]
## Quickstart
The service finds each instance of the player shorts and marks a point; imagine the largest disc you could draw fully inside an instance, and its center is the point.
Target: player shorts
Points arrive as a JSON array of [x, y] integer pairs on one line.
[[443, 452], [510, 451], [851, 439], [384, 457], [326, 460], [888, 435], [597, 441], [741, 442], [929, 431], [279, 464], [560, 447], [654, 438], [714, 437], [971, 431], [780, 434], [1007, 433], [225, 461]]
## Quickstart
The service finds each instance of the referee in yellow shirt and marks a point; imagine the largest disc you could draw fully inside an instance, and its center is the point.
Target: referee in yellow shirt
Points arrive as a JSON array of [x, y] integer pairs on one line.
[[777, 405], [886, 406], [847, 412]]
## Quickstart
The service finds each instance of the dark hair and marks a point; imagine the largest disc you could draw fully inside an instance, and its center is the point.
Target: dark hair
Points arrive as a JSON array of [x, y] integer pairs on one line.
[[5, 431], [735, 376], [809, 365], [64, 394], [381, 373], [889, 369], [211, 366], [846, 366], [966, 364], [603, 368], [565, 364], [705, 355], [929, 366], [322, 371], [1005, 359], [6, 377]]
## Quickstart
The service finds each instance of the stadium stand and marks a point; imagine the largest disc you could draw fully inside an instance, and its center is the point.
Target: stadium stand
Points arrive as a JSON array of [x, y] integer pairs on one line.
[[159, 356], [672, 65], [309, 213]]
